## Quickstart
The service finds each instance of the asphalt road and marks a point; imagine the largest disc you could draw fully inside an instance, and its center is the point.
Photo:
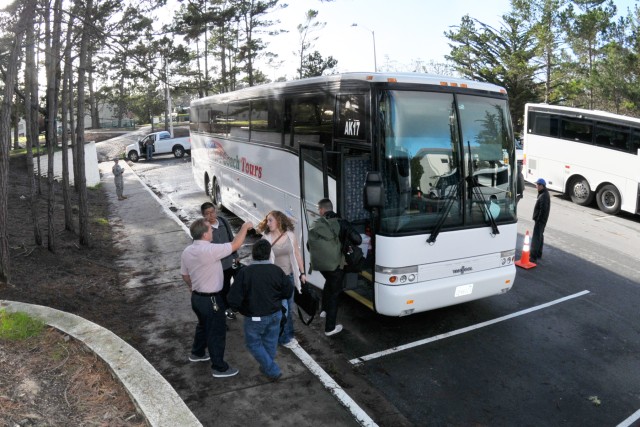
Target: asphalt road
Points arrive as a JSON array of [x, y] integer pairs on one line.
[[561, 348]]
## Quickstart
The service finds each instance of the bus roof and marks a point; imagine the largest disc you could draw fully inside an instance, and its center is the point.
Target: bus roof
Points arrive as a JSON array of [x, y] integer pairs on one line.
[[582, 113], [409, 78]]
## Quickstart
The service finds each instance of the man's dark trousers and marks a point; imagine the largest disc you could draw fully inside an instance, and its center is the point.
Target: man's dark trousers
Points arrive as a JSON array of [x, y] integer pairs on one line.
[[537, 240], [330, 294], [211, 331]]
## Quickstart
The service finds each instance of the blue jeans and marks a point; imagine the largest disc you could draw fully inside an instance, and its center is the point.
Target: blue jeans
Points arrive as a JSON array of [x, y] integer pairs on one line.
[[211, 331], [261, 339], [149, 152], [287, 334]]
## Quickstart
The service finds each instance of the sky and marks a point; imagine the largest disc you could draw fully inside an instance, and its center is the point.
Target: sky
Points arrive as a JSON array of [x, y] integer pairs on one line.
[[404, 30]]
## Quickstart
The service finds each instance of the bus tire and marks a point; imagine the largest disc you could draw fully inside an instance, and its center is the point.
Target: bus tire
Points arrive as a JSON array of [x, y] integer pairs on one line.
[[608, 199], [216, 195], [580, 192], [133, 156]]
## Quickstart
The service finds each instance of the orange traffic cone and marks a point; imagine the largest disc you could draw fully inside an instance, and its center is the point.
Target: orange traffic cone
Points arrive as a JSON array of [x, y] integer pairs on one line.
[[524, 261]]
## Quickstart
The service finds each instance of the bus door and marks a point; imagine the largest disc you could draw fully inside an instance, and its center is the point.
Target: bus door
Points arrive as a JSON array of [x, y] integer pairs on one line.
[[314, 186], [356, 162]]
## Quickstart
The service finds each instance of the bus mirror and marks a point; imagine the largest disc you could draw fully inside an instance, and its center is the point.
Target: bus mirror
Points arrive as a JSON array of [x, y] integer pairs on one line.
[[373, 191]]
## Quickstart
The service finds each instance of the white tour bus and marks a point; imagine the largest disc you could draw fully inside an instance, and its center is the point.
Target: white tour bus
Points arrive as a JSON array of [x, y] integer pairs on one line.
[[422, 166], [584, 154]]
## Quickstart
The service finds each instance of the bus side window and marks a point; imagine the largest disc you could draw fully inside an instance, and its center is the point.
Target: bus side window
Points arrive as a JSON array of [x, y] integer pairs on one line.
[[313, 120]]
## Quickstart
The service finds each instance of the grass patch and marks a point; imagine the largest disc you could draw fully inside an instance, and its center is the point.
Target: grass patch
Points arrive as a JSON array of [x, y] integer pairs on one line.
[[19, 326], [101, 221]]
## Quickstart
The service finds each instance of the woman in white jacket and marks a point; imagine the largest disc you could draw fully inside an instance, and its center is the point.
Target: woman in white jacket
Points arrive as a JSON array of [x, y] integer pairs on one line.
[[277, 229]]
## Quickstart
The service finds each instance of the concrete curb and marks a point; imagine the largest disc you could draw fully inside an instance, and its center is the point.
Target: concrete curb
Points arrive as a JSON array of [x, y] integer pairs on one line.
[[153, 395]]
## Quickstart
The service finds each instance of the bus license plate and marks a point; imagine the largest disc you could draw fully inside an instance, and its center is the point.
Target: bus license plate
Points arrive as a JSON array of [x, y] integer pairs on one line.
[[463, 290]]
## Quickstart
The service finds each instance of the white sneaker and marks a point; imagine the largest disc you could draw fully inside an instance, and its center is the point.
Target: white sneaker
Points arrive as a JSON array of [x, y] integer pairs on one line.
[[336, 330], [291, 344], [323, 314]]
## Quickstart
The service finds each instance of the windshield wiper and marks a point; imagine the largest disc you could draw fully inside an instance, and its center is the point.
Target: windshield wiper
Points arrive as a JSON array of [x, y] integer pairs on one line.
[[445, 212], [475, 185]]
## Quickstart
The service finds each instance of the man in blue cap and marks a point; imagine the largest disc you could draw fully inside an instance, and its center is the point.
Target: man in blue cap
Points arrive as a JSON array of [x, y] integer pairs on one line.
[[540, 217]]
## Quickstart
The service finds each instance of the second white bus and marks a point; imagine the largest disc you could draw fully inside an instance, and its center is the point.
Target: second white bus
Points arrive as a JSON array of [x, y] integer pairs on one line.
[[585, 154]]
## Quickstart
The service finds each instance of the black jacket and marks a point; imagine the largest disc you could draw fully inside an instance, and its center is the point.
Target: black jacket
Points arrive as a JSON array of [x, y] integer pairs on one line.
[[542, 207], [258, 290]]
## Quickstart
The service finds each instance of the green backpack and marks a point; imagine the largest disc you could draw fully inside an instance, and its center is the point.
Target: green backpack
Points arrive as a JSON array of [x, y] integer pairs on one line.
[[324, 244]]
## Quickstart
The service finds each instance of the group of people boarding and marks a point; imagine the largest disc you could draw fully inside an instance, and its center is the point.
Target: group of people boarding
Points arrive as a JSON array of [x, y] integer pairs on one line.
[[262, 292]]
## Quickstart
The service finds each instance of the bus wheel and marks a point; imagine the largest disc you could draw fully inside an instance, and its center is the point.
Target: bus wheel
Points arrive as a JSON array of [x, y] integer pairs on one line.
[[580, 192], [216, 196], [608, 199]]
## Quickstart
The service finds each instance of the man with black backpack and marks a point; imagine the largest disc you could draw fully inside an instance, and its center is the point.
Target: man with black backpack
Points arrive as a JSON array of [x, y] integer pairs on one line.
[[327, 237], [222, 234]]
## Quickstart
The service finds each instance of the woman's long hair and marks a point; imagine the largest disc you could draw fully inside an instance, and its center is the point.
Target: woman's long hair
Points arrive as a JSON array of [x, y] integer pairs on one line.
[[284, 222]]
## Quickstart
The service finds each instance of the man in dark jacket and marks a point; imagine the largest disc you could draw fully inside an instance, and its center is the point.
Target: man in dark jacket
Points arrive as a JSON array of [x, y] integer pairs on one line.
[[333, 279], [257, 293], [540, 217], [222, 233]]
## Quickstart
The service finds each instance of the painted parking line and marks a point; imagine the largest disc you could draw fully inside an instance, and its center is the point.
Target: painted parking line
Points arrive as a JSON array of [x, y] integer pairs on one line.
[[334, 388], [362, 359], [629, 421]]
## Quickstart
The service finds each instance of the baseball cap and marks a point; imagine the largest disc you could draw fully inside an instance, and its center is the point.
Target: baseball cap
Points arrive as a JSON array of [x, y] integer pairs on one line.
[[541, 181]]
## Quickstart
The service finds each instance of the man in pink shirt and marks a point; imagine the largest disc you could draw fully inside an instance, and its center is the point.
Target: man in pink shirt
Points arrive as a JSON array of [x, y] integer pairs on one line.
[[205, 279]]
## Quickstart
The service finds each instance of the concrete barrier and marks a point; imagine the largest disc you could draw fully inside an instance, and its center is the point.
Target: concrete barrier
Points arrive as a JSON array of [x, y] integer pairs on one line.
[[90, 165]]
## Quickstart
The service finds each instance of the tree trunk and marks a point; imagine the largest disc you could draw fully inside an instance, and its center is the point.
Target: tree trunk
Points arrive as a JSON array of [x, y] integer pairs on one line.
[[93, 102], [83, 209], [52, 57], [66, 100], [31, 123], [5, 117]]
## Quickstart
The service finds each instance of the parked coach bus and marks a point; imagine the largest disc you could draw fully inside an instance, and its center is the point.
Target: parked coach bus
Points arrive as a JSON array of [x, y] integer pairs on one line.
[[584, 154], [423, 166]]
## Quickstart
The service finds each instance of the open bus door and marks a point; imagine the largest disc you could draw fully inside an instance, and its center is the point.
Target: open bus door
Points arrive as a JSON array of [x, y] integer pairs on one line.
[[314, 186]]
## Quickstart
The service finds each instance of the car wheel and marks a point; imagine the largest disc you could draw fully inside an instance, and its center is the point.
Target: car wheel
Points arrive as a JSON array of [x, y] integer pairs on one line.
[[133, 156], [608, 199], [580, 191], [178, 151]]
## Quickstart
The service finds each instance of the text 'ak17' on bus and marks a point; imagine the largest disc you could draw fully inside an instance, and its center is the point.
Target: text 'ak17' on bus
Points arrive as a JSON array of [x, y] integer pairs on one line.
[[423, 166], [584, 154]]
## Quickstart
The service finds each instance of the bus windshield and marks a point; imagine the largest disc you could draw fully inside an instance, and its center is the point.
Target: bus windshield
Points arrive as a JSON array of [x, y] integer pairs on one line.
[[447, 159]]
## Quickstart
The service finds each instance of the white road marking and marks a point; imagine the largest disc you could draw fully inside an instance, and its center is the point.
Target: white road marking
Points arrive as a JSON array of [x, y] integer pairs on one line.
[[334, 388], [629, 421], [379, 354]]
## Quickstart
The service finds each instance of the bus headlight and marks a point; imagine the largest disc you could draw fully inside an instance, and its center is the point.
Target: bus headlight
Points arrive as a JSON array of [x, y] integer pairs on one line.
[[507, 257], [397, 276]]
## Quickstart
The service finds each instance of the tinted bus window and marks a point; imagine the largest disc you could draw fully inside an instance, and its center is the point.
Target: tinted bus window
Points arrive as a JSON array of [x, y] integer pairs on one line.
[[313, 120], [217, 119], [577, 130], [543, 124], [612, 136], [634, 142], [266, 121], [238, 119]]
